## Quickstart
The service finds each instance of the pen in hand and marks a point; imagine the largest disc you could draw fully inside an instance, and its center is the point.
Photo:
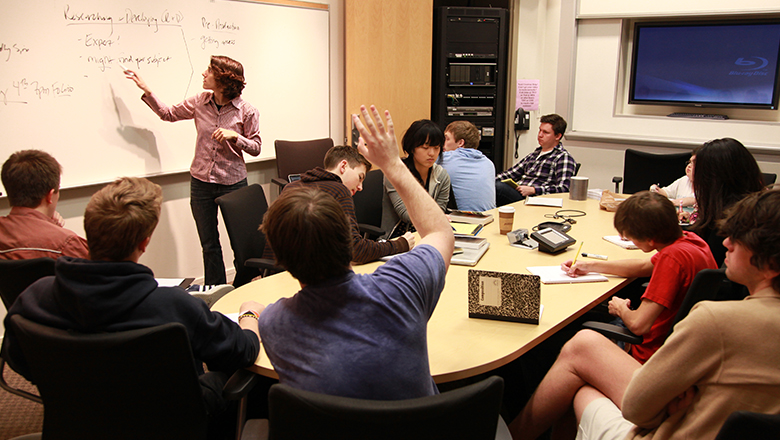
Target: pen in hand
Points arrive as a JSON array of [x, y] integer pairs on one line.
[[572, 272]]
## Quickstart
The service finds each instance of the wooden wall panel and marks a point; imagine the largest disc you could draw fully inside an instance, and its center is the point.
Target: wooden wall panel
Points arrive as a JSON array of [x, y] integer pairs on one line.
[[388, 59]]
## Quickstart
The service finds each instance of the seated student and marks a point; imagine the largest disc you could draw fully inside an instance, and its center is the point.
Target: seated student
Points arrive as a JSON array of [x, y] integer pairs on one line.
[[716, 362], [112, 292], [724, 172], [422, 143], [547, 170], [471, 172], [345, 334], [33, 228], [680, 192], [342, 176], [650, 221]]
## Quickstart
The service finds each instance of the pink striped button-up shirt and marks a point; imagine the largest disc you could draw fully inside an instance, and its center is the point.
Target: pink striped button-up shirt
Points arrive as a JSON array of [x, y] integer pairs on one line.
[[215, 162]]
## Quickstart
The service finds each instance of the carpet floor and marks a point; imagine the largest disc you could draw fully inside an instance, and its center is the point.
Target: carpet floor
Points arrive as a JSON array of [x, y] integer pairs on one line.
[[18, 416]]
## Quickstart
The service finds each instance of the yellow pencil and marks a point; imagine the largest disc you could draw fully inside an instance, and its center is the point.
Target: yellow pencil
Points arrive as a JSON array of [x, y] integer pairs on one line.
[[577, 254]]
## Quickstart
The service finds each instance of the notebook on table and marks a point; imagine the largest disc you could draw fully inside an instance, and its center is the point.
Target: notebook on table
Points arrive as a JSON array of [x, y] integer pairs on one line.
[[504, 296], [556, 275]]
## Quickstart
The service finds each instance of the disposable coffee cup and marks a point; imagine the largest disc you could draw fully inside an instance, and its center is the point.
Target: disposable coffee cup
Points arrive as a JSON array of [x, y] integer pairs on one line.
[[578, 189], [506, 219]]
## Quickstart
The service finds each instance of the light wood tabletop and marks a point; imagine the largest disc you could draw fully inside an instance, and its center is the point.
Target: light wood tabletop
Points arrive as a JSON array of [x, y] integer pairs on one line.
[[459, 346]]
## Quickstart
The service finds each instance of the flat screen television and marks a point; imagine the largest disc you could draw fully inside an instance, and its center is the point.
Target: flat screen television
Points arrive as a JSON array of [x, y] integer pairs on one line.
[[706, 64]]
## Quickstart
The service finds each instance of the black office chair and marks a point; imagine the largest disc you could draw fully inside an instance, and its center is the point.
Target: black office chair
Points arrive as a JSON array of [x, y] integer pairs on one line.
[[750, 425], [368, 205], [642, 169], [297, 157], [15, 276], [133, 384], [769, 178], [470, 412], [243, 212], [709, 284]]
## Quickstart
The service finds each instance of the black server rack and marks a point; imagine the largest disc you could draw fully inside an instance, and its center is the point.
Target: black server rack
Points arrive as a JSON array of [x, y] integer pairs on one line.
[[470, 73]]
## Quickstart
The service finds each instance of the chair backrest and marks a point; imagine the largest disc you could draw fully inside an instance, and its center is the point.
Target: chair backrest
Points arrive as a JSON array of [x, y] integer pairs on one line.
[[750, 425], [296, 157], [131, 384], [769, 178], [642, 169], [470, 412], [368, 203], [17, 275], [708, 285], [243, 212]]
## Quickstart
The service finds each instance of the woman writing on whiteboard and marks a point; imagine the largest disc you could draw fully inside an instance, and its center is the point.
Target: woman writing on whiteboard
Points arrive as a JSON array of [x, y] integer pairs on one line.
[[227, 126]]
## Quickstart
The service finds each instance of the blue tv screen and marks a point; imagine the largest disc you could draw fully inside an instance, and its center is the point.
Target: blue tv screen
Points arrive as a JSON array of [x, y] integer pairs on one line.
[[726, 64]]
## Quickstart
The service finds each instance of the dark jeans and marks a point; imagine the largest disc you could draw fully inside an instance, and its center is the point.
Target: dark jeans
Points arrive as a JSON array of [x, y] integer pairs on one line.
[[505, 194], [204, 211]]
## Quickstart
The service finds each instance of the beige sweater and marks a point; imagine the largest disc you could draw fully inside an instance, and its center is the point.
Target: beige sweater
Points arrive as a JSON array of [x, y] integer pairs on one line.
[[729, 351]]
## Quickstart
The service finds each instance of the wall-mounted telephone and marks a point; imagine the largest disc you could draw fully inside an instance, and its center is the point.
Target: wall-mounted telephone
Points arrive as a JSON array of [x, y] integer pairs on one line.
[[522, 120]]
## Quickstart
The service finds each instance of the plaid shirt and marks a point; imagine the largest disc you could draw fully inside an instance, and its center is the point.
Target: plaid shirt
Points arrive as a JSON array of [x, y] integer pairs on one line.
[[548, 173], [215, 162]]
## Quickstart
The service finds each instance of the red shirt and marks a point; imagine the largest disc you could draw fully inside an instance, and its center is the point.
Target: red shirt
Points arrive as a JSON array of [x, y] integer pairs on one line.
[[674, 268]]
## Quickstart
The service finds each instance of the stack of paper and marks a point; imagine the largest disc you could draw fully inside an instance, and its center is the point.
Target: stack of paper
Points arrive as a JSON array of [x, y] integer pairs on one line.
[[595, 193], [470, 217], [625, 244], [556, 275], [544, 201], [469, 242]]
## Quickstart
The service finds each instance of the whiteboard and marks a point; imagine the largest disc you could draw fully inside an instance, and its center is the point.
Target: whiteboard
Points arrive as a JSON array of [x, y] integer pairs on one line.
[[62, 90]]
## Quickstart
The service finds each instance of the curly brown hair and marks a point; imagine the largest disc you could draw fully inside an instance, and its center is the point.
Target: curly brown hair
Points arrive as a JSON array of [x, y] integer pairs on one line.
[[229, 74]]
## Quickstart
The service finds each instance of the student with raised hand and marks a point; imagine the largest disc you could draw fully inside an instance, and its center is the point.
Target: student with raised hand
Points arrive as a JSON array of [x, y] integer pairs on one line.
[[422, 144], [716, 362], [650, 221], [346, 334], [34, 228], [341, 176], [472, 174], [227, 127]]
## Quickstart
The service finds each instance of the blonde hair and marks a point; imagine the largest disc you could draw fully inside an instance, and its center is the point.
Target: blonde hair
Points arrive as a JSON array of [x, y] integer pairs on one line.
[[464, 130]]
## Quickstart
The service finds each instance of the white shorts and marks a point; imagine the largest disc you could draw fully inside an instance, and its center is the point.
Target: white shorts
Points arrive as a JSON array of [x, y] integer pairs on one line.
[[602, 420]]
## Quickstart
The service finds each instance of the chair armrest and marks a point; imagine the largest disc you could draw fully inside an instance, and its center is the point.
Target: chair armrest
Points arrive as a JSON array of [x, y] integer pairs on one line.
[[616, 180], [239, 384], [266, 265], [279, 181], [613, 332], [370, 231]]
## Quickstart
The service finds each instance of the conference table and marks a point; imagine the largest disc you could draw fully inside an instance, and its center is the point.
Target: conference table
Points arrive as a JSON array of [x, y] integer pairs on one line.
[[459, 346]]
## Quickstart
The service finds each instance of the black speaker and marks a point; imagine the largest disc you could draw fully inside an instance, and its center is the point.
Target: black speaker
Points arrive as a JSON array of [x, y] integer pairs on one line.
[[470, 73]]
